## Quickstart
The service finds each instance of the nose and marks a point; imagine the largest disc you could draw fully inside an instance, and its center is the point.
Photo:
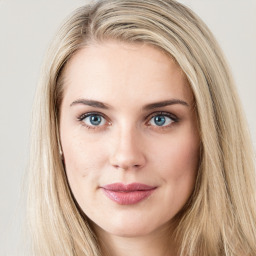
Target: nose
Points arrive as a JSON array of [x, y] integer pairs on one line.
[[128, 150]]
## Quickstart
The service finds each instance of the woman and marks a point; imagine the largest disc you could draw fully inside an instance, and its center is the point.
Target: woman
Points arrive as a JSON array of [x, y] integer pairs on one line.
[[139, 143]]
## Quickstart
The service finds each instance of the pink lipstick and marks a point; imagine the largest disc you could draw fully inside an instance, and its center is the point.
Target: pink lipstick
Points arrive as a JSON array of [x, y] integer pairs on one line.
[[127, 194]]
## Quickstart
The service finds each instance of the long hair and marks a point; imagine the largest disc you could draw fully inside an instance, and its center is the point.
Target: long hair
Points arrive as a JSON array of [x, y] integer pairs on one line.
[[220, 216]]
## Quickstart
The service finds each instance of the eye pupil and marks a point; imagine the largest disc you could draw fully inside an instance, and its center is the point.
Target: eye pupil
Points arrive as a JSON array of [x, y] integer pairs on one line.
[[159, 120], [95, 120]]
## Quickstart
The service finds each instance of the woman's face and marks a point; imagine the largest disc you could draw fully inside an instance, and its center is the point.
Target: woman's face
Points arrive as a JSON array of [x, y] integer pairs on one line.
[[129, 136]]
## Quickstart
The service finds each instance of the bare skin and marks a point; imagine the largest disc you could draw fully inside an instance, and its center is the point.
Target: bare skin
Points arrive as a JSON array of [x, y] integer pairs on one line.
[[127, 116]]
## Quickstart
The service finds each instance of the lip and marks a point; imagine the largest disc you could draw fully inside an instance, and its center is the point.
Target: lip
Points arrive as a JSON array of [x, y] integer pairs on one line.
[[127, 194]]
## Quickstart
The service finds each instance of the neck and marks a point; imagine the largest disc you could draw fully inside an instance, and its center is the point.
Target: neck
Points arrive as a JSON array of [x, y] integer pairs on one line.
[[158, 243]]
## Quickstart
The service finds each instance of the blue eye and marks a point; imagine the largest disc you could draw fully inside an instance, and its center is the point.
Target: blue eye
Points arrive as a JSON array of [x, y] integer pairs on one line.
[[94, 120], [160, 120]]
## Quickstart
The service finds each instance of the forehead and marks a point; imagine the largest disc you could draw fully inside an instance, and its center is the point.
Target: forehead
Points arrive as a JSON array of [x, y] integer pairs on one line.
[[115, 70]]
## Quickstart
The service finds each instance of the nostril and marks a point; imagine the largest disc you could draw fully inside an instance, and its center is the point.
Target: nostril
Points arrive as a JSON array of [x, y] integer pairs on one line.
[[126, 167], [127, 156]]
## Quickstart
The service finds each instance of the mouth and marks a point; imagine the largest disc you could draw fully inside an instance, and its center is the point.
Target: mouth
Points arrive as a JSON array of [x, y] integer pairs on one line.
[[127, 194]]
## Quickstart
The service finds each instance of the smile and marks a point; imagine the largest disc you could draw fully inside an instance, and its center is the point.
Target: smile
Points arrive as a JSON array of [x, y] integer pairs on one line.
[[127, 194]]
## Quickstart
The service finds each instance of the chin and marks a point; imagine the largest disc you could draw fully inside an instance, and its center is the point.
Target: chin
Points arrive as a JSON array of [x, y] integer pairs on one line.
[[128, 233], [130, 228]]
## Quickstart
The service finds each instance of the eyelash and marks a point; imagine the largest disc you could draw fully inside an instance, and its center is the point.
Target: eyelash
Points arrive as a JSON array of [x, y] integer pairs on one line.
[[83, 116], [173, 118]]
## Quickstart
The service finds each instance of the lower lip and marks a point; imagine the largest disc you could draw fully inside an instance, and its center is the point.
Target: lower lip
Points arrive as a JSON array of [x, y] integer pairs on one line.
[[128, 198]]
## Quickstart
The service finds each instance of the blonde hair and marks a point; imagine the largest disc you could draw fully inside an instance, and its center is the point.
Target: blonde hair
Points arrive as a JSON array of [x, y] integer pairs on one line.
[[220, 217]]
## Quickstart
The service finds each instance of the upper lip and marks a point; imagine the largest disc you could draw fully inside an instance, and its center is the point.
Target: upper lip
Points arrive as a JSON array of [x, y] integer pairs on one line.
[[128, 187]]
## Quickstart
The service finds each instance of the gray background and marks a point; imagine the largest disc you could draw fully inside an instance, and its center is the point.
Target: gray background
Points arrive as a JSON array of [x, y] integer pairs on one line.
[[26, 28]]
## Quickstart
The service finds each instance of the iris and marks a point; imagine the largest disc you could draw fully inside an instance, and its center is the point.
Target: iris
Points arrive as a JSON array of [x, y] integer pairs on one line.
[[159, 120], [95, 119]]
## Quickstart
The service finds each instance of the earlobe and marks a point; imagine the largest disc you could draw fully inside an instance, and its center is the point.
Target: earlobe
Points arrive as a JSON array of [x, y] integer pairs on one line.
[[60, 151], [62, 157]]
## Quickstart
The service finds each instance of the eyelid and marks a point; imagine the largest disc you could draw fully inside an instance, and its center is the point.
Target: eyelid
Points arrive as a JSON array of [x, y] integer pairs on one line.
[[162, 113], [84, 115], [81, 117], [108, 122]]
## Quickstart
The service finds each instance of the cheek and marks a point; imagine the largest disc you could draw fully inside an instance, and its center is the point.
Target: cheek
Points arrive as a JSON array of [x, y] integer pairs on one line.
[[80, 152], [179, 174], [179, 155], [82, 163], [179, 164]]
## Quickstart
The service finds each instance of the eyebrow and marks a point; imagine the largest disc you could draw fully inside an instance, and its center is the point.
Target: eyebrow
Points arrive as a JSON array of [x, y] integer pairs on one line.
[[98, 104], [165, 103], [92, 103]]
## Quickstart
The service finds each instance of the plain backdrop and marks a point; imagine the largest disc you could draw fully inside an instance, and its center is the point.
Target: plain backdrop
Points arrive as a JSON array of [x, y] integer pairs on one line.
[[26, 28]]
